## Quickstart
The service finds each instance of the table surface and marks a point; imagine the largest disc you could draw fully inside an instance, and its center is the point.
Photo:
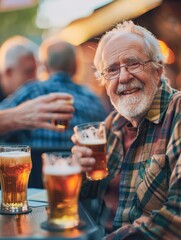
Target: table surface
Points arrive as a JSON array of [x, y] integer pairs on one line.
[[28, 226]]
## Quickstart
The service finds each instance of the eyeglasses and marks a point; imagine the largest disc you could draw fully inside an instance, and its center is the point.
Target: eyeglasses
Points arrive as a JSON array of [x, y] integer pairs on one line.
[[113, 72]]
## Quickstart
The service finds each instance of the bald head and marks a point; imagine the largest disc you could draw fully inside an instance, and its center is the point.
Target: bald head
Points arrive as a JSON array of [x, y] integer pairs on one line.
[[60, 56]]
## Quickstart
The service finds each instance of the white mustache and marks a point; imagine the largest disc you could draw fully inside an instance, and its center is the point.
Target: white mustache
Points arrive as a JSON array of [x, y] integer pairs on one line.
[[123, 87]]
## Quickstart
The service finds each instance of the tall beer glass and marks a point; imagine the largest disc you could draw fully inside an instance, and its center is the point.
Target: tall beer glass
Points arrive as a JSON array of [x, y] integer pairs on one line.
[[63, 182], [63, 124], [93, 135], [15, 167]]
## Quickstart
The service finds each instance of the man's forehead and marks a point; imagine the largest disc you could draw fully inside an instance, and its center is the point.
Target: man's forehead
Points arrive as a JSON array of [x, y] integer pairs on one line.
[[118, 42], [122, 45], [124, 38]]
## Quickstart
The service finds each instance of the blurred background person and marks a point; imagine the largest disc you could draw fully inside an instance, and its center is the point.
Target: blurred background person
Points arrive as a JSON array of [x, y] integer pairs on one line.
[[18, 64], [60, 62]]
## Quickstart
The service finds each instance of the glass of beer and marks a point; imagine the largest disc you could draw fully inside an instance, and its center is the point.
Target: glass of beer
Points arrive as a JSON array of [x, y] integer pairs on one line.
[[63, 124], [62, 181], [93, 135], [15, 168]]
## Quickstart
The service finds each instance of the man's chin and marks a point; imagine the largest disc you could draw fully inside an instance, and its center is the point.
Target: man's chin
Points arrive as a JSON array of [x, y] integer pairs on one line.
[[131, 110]]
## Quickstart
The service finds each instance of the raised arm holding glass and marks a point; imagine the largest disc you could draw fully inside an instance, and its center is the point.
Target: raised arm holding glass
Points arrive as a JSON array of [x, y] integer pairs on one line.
[[38, 113], [141, 196]]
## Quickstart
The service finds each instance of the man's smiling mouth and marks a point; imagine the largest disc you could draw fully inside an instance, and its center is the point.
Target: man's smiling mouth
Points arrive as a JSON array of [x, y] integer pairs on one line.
[[129, 91]]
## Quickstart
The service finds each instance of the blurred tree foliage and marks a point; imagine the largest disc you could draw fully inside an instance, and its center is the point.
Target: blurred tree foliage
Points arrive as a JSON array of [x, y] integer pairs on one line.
[[20, 22]]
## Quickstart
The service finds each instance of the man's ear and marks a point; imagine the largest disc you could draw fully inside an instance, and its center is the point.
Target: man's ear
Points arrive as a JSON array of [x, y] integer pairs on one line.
[[46, 67], [106, 87], [9, 71], [159, 71]]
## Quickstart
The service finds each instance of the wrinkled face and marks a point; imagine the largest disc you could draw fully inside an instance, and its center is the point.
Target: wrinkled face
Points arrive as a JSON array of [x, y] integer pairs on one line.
[[24, 71], [130, 93]]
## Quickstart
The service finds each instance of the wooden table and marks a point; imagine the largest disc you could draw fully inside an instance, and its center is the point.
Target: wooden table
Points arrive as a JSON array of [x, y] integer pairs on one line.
[[27, 226]]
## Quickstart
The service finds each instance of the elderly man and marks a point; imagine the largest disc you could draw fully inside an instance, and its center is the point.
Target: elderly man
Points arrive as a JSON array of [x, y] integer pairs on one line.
[[18, 64], [141, 197]]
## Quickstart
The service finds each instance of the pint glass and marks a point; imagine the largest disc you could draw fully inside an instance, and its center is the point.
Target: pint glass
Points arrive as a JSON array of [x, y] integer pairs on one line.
[[15, 168], [93, 135], [62, 182], [63, 124]]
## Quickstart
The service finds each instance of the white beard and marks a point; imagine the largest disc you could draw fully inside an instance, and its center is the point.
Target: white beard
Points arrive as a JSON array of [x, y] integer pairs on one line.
[[135, 106]]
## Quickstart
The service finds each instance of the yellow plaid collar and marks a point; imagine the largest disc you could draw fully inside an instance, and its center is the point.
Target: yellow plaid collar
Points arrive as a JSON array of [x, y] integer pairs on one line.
[[160, 102]]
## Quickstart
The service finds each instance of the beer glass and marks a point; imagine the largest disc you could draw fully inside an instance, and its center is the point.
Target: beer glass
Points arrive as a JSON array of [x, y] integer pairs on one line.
[[63, 124], [93, 135], [15, 168], [62, 182]]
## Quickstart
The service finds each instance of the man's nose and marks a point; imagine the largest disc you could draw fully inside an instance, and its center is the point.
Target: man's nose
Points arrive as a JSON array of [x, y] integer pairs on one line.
[[124, 75]]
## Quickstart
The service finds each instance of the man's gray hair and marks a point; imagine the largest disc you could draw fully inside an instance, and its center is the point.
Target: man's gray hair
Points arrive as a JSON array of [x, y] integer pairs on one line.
[[14, 48], [58, 55], [151, 45]]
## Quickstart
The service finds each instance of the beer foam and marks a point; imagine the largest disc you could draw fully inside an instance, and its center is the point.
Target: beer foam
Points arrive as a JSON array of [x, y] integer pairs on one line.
[[62, 170], [92, 141], [14, 154]]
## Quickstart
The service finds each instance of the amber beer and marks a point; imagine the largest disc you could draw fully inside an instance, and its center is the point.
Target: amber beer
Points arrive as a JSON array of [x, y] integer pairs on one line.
[[63, 186], [93, 135], [15, 167], [99, 170], [63, 124]]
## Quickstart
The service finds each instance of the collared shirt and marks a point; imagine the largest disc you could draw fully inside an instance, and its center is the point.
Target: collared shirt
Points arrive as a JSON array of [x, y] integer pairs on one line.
[[111, 195], [88, 108], [149, 205]]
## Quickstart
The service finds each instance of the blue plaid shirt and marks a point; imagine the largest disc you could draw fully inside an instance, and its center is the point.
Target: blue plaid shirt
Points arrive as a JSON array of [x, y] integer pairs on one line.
[[87, 108]]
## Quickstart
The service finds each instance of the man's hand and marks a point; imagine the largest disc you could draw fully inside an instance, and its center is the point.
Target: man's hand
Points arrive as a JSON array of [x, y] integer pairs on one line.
[[39, 113], [83, 155]]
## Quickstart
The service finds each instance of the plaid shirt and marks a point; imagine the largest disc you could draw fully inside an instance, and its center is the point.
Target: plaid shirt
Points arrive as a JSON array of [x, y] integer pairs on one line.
[[87, 106], [149, 204]]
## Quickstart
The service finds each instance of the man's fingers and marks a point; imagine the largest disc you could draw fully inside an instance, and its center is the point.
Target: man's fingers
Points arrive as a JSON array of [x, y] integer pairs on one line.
[[85, 151], [87, 162], [55, 96], [61, 108], [83, 156], [54, 116], [49, 126], [56, 106], [86, 169], [74, 139], [61, 116]]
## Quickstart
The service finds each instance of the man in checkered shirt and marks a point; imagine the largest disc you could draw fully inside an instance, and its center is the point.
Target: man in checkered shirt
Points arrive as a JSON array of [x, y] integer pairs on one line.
[[141, 196]]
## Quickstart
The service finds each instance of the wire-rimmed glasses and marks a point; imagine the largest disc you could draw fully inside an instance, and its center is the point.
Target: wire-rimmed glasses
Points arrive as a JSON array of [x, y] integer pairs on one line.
[[113, 71]]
